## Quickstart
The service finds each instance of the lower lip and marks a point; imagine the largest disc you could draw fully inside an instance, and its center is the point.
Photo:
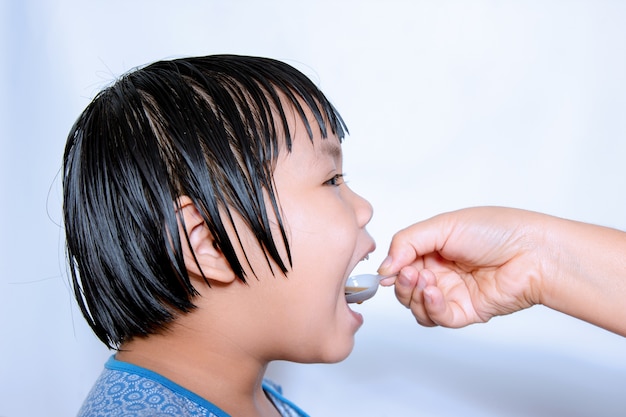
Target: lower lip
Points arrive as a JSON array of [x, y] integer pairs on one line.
[[358, 317]]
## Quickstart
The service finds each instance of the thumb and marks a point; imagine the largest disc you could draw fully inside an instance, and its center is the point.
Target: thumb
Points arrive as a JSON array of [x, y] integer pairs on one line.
[[396, 260], [411, 244]]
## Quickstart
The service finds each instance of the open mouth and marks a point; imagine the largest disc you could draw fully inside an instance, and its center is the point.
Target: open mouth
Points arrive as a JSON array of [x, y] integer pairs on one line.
[[353, 286]]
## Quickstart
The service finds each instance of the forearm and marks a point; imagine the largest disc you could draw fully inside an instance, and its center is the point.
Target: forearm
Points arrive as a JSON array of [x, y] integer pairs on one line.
[[585, 273]]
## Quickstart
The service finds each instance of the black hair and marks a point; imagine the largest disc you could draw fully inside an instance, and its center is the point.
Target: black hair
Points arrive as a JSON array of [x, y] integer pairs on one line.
[[209, 128]]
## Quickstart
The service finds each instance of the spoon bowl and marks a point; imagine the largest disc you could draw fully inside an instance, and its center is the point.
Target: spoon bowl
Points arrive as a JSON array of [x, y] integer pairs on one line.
[[362, 287]]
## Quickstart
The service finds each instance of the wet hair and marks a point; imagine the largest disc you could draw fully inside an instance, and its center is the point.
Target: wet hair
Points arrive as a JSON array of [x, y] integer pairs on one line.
[[210, 128]]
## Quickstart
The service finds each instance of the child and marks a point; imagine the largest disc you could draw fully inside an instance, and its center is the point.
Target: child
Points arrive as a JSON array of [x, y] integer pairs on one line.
[[210, 232]]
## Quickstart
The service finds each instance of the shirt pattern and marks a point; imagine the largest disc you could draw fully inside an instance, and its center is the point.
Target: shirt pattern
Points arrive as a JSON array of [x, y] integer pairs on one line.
[[126, 390]]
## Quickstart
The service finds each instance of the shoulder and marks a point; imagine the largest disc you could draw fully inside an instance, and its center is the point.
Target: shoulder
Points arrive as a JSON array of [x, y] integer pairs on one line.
[[126, 390]]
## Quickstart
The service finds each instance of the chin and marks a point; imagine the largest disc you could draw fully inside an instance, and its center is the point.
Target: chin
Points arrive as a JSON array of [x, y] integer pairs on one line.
[[333, 353], [338, 353]]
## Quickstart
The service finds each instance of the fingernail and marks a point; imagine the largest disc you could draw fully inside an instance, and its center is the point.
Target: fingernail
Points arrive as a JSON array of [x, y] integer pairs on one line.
[[386, 282], [403, 280], [421, 282], [386, 263], [428, 298]]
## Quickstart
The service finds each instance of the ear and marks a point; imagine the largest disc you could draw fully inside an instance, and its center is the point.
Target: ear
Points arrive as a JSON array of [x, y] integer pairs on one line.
[[201, 255]]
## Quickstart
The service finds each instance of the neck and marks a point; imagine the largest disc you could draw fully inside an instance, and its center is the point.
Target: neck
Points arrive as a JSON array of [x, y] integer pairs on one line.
[[206, 362]]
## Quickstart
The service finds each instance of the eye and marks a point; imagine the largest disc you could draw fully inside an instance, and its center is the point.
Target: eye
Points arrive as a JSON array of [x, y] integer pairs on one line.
[[336, 180]]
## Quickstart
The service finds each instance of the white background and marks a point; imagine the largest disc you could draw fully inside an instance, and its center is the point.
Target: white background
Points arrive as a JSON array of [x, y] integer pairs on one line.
[[449, 104]]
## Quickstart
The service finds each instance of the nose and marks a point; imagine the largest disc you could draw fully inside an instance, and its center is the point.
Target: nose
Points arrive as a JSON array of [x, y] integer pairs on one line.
[[362, 208]]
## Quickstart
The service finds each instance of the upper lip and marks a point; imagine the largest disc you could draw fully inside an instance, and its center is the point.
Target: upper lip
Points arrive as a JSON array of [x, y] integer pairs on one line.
[[372, 248]]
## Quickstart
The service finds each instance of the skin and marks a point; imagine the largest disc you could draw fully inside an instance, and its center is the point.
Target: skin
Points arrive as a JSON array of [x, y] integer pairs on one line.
[[470, 265], [221, 350]]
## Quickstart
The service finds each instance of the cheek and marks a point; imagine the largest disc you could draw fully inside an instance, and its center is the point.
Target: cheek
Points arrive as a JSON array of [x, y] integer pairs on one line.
[[321, 238], [322, 226]]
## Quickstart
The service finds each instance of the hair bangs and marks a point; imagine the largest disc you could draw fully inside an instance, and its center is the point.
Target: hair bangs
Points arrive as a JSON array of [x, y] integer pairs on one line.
[[210, 128]]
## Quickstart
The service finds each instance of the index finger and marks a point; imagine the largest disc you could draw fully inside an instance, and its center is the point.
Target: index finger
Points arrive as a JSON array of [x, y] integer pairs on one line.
[[412, 243]]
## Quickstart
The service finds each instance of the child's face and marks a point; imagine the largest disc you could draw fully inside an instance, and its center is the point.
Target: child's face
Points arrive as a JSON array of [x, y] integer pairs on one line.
[[305, 315]]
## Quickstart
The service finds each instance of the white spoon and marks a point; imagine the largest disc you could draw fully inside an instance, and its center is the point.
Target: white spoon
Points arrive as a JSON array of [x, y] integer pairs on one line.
[[362, 287]]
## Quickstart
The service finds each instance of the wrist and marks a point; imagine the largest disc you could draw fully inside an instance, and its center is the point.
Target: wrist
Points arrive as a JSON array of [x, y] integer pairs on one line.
[[556, 260], [545, 253], [583, 272]]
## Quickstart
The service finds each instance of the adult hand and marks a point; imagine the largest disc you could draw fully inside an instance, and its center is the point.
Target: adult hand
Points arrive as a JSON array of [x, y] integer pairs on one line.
[[467, 266], [470, 265]]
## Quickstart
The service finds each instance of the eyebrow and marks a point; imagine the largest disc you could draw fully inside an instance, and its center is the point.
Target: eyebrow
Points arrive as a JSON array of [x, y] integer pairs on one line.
[[331, 148]]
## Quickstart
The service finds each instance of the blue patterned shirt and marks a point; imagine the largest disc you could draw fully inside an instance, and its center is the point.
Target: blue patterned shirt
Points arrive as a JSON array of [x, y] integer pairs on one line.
[[128, 390]]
